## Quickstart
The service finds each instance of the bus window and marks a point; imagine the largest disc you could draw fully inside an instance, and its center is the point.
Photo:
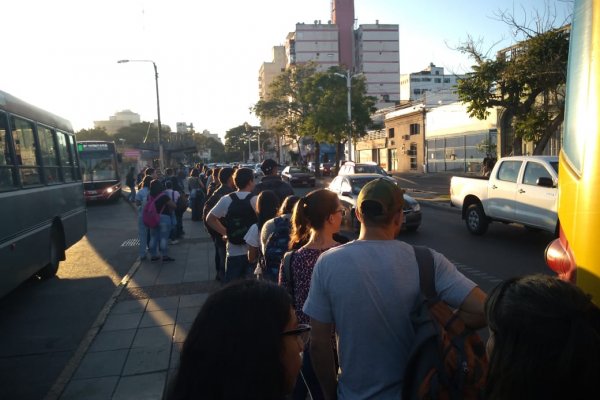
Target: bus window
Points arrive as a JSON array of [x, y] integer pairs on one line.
[[6, 170], [25, 150], [65, 156], [49, 155]]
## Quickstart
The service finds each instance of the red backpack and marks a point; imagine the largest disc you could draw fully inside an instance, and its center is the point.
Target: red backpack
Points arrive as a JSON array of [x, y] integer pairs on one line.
[[448, 360], [150, 216]]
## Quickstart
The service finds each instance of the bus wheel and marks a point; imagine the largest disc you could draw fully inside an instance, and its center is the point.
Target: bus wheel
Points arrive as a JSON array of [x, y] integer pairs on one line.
[[55, 255]]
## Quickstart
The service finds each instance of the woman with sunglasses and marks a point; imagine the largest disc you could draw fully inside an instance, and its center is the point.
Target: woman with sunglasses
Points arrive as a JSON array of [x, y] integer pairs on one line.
[[316, 218], [244, 344]]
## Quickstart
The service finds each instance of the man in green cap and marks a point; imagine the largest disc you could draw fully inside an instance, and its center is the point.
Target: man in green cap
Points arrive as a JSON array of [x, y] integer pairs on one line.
[[367, 289]]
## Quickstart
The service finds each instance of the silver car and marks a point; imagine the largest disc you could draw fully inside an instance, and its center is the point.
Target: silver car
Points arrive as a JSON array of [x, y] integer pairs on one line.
[[347, 187]]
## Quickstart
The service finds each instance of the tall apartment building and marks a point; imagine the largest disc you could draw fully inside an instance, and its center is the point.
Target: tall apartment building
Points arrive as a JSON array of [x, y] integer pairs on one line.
[[377, 56], [430, 80], [119, 120], [315, 42], [266, 75]]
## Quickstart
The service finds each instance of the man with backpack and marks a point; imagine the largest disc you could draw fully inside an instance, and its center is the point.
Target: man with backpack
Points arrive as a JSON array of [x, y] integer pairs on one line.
[[368, 289], [272, 181], [239, 212], [225, 178]]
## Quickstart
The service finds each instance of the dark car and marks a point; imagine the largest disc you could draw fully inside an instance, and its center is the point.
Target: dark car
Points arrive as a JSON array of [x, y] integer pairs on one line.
[[326, 169], [347, 188], [298, 176]]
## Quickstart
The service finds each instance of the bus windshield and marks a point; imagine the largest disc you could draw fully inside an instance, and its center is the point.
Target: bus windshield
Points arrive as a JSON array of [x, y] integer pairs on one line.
[[98, 165]]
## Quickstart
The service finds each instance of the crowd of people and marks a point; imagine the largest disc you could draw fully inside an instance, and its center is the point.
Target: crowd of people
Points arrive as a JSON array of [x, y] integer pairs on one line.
[[293, 285]]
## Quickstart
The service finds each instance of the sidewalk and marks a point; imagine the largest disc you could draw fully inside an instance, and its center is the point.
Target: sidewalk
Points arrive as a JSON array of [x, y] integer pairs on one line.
[[133, 348]]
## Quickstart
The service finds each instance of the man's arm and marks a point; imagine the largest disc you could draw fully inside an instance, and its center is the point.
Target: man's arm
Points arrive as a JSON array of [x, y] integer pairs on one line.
[[321, 352], [471, 311], [214, 223]]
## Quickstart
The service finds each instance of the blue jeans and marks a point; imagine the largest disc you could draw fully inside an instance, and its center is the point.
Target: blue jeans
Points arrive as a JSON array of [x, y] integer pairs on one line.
[[143, 236], [159, 236], [237, 267]]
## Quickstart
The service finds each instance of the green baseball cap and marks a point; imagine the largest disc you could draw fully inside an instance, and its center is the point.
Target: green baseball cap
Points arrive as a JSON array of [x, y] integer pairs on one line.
[[380, 198]]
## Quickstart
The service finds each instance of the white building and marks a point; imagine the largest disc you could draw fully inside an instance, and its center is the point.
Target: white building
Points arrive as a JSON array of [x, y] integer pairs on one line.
[[315, 42], [119, 120], [377, 56], [418, 85]]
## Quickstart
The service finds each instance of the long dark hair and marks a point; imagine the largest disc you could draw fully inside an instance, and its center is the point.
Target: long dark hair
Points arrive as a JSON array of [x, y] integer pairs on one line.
[[156, 187], [233, 350], [266, 207], [145, 182], [287, 207], [546, 340], [311, 212]]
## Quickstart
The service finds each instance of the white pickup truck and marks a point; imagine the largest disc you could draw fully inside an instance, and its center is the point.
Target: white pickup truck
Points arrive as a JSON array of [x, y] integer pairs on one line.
[[520, 189]]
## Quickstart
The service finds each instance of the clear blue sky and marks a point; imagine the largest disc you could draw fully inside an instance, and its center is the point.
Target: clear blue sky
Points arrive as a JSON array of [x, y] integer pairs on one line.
[[61, 55]]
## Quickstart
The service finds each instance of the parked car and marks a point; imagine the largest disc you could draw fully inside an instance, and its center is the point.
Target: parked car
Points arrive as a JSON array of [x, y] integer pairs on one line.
[[520, 189], [347, 187], [351, 167], [258, 173], [326, 169], [298, 176]]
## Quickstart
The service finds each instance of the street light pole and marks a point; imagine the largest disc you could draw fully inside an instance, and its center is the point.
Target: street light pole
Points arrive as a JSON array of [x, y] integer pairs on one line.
[[348, 77], [161, 158]]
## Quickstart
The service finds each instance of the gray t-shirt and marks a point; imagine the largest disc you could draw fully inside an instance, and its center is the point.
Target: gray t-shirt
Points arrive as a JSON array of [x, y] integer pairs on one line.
[[368, 288]]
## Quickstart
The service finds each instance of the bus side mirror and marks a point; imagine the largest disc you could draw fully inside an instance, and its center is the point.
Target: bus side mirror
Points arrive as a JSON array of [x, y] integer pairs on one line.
[[545, 182]]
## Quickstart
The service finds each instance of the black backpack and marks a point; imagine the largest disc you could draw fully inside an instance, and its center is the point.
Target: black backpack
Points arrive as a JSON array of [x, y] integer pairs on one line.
[[240, 217], [276, 247]]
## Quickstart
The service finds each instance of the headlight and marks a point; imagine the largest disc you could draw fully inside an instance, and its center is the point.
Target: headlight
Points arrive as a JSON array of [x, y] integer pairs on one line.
[[109, 190], [416, 207]]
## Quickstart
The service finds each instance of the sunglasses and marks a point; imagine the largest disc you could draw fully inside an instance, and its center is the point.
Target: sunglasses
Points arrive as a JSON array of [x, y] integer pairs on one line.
[[302, 331]]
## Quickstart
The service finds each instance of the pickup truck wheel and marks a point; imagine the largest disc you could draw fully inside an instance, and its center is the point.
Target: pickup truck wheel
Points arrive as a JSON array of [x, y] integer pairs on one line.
[[476, 220]]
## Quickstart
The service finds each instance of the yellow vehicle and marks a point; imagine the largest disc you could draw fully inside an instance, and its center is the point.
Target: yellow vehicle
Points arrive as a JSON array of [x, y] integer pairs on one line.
[[575, 255]]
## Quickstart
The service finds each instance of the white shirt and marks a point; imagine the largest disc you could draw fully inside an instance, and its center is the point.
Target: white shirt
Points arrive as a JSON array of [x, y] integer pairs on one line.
[[252, 237], [220, 210]]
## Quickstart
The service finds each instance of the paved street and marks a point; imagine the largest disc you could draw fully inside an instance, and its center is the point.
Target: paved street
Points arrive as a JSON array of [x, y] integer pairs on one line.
[[85, 336]]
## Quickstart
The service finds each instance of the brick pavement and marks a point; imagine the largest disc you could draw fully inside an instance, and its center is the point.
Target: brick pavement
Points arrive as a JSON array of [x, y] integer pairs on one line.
[[133, 348]]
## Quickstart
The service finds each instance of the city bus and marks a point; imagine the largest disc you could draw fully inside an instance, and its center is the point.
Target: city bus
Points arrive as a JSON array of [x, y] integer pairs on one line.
[[41, 192], [100, 170], [575, 255]]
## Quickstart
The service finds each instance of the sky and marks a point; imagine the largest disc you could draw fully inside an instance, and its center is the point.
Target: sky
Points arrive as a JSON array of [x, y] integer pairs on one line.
[[61, 55]]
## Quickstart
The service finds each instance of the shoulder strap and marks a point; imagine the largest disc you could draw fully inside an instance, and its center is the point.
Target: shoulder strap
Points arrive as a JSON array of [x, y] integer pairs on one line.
[[287, 271], [234, 196], [426, 271]]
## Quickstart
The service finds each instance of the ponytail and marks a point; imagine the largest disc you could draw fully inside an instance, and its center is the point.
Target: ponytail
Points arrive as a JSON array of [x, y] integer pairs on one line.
[[300, 225]]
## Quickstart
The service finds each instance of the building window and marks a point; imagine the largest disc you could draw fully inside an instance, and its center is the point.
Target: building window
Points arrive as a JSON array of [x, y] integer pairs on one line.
[[415, 91], [446, 80], [426, 79], [415, 129], [438, 80], [415, 79], [391, 133]]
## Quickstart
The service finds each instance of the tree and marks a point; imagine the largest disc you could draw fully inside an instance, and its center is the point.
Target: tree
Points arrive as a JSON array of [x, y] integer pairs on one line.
[[304, 102], [93, 134], [286, 104], [527, 82], [217, 150], [143, 132], [236, 142], [327, 120]]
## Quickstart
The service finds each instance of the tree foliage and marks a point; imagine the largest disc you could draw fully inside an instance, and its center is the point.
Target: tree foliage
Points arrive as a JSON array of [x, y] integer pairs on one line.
[[93, 134], [527, 82], [307, 103], [236, 142]]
